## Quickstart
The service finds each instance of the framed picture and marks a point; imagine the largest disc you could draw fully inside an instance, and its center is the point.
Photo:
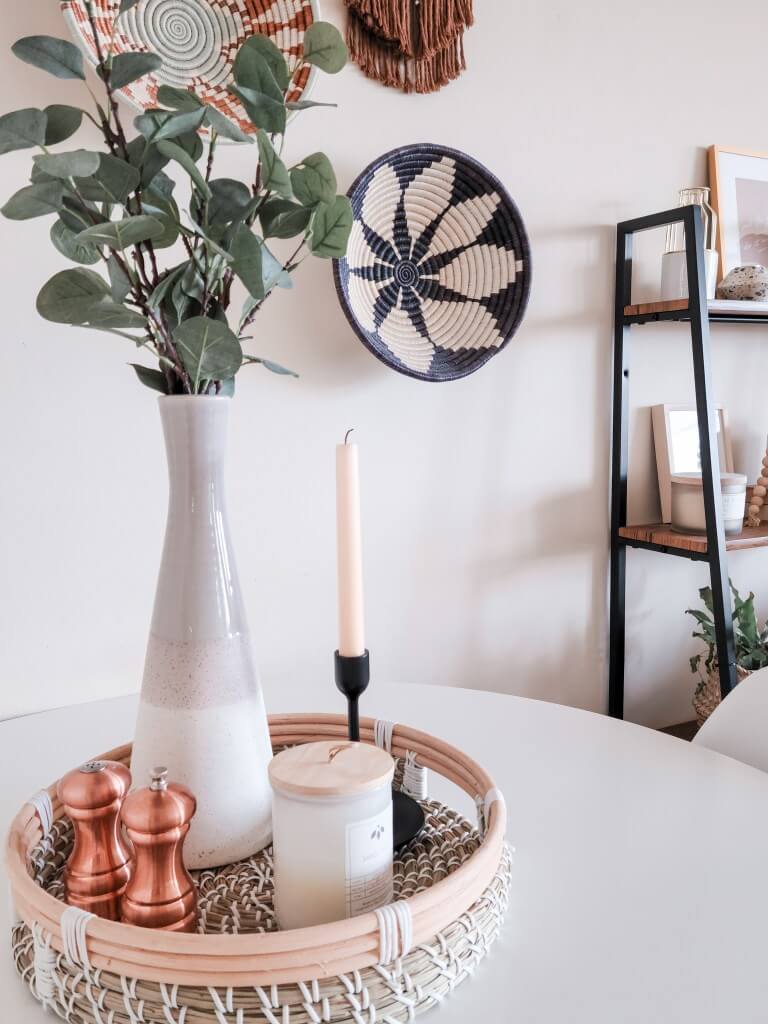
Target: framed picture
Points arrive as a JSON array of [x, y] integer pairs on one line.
[[738, 180], [676, 439]]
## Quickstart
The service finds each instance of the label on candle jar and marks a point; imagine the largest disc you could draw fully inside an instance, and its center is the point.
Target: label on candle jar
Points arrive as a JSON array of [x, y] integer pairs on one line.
[[369, 863]]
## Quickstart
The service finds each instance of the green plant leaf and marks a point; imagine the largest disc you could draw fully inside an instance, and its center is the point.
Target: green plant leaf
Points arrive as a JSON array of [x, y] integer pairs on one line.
[[22, 129], [80, 163], [108, 315], [178, 99], [63, 239], [281, 218], [274, 173], [230, 201], [61, 122], [264, 111], [78, 216], [330, 228], [174, 152], [161, 185], [34, 201], [222, 125], [270, 365], [246, 252], [154, 379], [245, 67], [208, 349], [167, 212], [272, 271], [68, 296], [56, 56], [314, 181], [306, 104], [324, 47], [161, 291], [227, 387], [112, 182], [119, 234], [175, 124], [147, 159], [119, 282], [126, 5], [127, 67]]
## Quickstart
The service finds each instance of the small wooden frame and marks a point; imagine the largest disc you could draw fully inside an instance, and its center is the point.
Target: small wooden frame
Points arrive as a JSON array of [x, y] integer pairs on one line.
[[320, 952], [720, 188]]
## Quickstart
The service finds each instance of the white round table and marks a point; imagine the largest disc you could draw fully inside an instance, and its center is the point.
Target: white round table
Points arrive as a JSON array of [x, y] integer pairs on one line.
[[639, 884]]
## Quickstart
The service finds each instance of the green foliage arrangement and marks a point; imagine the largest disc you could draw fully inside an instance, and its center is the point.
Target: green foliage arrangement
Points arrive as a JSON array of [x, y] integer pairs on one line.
[[116, 208], [750, 641]]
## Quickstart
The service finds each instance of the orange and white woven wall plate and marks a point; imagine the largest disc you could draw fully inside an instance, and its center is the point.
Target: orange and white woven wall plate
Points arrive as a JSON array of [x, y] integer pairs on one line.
[[197, 41]]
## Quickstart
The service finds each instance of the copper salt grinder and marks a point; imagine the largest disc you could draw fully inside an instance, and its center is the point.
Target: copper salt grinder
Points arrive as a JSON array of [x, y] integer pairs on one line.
[[161, 893], [99, 866]]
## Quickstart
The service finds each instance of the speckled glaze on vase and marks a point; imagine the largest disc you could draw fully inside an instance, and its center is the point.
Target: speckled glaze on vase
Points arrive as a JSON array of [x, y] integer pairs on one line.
[[201, 711]]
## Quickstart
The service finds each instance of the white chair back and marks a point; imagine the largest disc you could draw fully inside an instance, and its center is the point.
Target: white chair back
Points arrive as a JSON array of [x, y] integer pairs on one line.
[[739, 726]]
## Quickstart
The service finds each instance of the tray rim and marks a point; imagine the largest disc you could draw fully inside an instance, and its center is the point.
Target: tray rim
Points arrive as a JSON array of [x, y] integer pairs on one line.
[[320, 951]]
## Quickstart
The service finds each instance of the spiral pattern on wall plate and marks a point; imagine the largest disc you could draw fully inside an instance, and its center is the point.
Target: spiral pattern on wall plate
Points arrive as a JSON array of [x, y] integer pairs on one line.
[[437, 272], [198, 41]]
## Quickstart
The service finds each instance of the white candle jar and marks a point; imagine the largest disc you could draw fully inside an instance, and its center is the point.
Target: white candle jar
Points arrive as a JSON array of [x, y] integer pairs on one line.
[[332, 831], [688, 502]]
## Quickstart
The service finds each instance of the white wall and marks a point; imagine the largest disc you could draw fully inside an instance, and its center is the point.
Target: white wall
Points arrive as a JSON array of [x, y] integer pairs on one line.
[[485, 500]]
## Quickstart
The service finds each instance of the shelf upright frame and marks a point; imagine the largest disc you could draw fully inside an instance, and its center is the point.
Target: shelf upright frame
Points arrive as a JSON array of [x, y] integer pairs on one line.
[[716, 556]]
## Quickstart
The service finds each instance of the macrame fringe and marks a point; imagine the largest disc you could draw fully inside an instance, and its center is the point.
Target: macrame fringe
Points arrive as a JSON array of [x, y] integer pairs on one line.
[[413, 45]]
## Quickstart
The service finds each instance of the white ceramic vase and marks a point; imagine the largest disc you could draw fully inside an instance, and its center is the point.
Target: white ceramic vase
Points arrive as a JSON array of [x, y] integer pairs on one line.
[[201, 712]]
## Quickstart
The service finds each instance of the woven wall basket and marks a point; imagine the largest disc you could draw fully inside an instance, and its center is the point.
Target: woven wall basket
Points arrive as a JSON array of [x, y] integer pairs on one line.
[[438, 269], [451, 886], [198, 41], [706, 696]]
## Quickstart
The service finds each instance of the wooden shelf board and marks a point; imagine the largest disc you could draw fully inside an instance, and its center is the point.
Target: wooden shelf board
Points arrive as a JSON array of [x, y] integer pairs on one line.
[[716, 307], [663, 535]]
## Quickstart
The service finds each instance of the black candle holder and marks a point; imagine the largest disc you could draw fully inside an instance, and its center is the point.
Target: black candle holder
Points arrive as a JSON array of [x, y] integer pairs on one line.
[[352, 674]]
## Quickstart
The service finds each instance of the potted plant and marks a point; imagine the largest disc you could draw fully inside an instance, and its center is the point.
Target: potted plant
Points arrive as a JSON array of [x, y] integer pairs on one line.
[[750, 642], [158, 271]]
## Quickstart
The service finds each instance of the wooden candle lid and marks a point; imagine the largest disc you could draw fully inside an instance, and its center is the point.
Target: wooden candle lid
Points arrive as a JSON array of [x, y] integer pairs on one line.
[[331, 768]]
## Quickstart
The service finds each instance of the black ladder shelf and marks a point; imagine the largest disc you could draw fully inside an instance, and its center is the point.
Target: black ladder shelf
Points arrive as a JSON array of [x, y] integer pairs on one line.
[[712, 548]]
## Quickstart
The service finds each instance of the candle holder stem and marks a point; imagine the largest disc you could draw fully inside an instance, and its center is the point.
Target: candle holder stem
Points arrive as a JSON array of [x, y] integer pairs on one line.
[[352, 677]]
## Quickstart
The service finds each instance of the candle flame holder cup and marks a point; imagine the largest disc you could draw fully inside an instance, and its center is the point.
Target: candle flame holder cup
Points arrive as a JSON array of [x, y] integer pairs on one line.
[[353, 674]]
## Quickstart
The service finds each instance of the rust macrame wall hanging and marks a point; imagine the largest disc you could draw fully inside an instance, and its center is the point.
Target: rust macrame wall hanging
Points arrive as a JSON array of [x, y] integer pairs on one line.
[[413, 45]]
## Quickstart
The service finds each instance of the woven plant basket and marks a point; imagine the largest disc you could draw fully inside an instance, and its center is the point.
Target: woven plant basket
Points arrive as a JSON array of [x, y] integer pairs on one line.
[[452, 882], [706, 696]]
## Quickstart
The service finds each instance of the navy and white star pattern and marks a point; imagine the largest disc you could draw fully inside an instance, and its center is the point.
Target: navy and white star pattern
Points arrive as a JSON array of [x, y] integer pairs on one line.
[[437, 272]]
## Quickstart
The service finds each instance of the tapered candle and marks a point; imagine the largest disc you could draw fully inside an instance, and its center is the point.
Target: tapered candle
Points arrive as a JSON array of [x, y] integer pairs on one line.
[[349, 551]]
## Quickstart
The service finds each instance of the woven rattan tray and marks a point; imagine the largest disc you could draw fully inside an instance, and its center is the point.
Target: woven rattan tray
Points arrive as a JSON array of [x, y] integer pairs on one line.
[[452, 880]]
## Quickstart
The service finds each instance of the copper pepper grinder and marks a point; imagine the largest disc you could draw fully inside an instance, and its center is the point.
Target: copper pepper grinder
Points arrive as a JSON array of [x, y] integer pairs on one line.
[[161, 893], [99, 866]]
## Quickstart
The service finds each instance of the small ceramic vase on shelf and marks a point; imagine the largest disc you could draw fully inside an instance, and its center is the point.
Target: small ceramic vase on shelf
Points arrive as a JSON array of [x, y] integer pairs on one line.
[[201, 711], [99, 866], [160, 893], [674, 272]]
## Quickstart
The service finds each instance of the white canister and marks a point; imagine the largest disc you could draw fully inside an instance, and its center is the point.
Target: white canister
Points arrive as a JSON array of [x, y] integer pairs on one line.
[[674, 274], [332, 831], [688, 502]]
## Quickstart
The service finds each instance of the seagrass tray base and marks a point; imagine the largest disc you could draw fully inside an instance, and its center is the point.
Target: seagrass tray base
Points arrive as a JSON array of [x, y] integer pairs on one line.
[[197, 981]]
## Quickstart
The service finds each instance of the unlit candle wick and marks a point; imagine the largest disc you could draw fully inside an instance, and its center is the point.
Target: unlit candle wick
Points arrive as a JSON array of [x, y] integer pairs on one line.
[[346, 436]]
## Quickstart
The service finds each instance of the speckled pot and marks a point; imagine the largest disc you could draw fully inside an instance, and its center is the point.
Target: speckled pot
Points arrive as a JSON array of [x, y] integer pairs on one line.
[[747, 282]]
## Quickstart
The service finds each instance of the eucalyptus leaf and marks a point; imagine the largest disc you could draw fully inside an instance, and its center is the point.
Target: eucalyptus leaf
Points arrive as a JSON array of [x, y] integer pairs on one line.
[[62, 121], [36, 175], [112, 182], [264, 111], [69, 295], [63, 239], [174, 152], [161, 185], [56, 56], [178, 99], [167, 283], [208, 349], [274, 173], [179, 124], [167, 212], [314, 180], [280, 218], [151, 121], [330, 227], [270, 365], [80, 163], [324, 47], [154, 379], [272, 271], [22, 129], [119, 282], [246, 251], [119, 234], [78, 216], [127, 67], [34, 201], [226, 387], [107, 315], [192, 145], [262, 47], [306, 104], [147, 159], [230, 201], [222, 125]]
